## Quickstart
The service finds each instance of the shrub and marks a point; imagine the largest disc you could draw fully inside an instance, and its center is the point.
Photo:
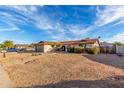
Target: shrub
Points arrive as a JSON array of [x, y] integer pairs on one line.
[[57, 49], [82, 45], [52, 46], [78, 50], [58, 45], [94, 50], [70, 49]]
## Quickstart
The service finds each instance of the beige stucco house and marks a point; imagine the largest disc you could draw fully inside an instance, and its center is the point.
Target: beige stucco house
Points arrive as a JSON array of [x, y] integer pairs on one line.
[[45, 46], [21, 46]]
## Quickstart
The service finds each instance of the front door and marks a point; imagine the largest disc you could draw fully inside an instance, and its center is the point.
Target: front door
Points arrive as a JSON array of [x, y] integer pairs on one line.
[[63, 48]]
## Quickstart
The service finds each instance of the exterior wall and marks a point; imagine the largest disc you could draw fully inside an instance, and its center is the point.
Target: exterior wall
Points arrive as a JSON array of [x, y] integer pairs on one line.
[[120, 50], [89, 45], [39, 48], [47, 48], [96, 44], [92, 45], [66, 46], [43, 48], [70, 45], [76, 46], [108, 49], [21, 46]]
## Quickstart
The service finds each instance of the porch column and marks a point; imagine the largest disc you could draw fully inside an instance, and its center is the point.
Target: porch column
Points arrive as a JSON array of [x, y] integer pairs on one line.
[[66, 48]]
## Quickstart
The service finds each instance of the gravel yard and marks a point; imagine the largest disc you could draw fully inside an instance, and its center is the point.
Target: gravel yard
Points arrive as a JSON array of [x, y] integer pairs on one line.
[[64, 70]]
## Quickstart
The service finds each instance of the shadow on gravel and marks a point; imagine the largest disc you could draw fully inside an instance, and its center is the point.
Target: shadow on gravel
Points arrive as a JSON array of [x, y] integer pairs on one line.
[[111, 82], [112, 60]]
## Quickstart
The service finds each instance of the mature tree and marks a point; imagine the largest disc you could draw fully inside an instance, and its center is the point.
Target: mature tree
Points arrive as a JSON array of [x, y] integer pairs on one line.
[[1, 45], [118, 44], [8, 44]]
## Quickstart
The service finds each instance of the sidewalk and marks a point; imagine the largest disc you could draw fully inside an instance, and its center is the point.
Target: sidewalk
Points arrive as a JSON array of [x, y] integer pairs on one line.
[[4, 79]]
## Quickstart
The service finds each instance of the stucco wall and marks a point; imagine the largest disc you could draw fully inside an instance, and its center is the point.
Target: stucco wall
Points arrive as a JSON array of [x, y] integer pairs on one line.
[[47, 48], [43, 48], [92, 45], [39, 48]]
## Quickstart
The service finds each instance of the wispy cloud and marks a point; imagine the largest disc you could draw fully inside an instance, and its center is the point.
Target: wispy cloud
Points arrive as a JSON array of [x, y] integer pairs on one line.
[[9, 29], [31, 15], [109, 14], [57, 30], [118, 37]]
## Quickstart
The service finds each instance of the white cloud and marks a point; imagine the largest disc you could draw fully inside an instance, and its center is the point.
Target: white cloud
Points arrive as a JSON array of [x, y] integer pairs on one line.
[[43, 24], [8, 29], [12, 19], [42, 21], [109, 14], [118, 37], [80, 29], [32, 16], [76, 29], [21, 41], [60, 37], [120, 22], [23, 8]]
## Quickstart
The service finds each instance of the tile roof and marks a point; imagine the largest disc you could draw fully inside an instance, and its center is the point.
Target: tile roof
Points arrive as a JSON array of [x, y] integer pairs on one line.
[[85, 41]]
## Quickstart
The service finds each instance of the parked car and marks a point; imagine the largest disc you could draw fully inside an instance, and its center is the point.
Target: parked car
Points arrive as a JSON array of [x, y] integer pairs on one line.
[[21, 50], [12, 50]]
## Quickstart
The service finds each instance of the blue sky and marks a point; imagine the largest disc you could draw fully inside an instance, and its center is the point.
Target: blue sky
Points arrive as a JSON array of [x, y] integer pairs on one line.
[[30, 24]]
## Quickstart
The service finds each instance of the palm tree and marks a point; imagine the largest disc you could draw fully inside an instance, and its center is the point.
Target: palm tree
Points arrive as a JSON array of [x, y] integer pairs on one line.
[[8, 44]]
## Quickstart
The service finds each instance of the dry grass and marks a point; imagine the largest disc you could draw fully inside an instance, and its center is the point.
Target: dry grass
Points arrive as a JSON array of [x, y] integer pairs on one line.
[[59, 70]]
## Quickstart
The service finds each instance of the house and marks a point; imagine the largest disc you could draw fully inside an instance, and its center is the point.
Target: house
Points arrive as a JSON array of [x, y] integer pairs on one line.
[[85, 43], [120, 50], [24, 47], [106, 47], [45, 46], [21, 46], [104, 44]]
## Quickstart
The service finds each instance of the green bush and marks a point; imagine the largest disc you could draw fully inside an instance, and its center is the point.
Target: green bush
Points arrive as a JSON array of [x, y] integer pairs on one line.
[[58, 45], [70, 49], [78, 50], [94, 50], [52, 46]]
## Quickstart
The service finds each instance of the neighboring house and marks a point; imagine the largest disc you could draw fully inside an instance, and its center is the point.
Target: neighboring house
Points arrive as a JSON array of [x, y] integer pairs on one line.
[[107, 47], [45, 46], [25, 47], [120, 50], [104, 44], [21, 46]]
